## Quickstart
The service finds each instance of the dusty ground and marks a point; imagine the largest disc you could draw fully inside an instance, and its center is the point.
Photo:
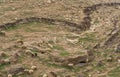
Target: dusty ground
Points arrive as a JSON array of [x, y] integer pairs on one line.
[[56, 50]]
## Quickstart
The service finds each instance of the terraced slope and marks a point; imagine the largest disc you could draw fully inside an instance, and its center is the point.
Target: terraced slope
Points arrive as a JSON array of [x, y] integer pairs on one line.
[[36, 46]]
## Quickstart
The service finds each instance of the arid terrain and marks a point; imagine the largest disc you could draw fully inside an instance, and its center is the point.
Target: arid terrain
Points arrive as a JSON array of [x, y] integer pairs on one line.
[[59, 38]]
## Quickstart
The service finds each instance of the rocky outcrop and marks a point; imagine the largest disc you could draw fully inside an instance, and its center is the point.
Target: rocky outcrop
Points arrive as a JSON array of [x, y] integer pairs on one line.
[[73, 60]]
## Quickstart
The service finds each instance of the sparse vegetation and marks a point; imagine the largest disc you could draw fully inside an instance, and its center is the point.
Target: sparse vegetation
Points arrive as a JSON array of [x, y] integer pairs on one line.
[[65, 37], [64, 53], [115, 72]]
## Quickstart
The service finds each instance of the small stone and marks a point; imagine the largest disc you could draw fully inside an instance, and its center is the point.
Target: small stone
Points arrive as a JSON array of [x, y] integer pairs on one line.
[[90, 75], [11, 1], [28, 51], [26, 70], [10, 75], [32, 54], [2, 33], [74, 41], [16, 18], [39, 4], [98, 72], [6, 61], [119, 60], [20, 42], [13, 8], [45, 75], [34, 67], [109, 59], [49, 1], [30, 71], [70, 64]]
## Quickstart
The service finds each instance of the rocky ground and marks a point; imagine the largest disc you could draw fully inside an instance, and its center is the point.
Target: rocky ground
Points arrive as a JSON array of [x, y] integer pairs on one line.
[[60, 38]]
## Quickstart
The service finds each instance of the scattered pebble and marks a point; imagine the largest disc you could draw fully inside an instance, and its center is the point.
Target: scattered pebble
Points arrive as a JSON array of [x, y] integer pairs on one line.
[[119, 60], [32, 54], [70, 64], [26, 70], [16, 18], [6, 61], [28, 51], [30, 71], [45, 75], [34, 67], [49, 1], [13, 8], [20, 42], [98, 72], [90, 75], [2, 33], [109, 59], [10, 75]]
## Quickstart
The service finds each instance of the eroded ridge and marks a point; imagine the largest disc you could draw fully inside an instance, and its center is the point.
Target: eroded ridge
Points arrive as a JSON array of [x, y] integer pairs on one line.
[[85, 25], [82, 26]]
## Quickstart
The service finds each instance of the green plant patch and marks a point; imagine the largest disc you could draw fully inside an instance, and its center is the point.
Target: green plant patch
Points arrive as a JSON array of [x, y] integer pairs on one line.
[[34, 50], [2, 66], [87, 38], [115, 72], [58, 47], [51, 41], [58, 66], [64, 53]]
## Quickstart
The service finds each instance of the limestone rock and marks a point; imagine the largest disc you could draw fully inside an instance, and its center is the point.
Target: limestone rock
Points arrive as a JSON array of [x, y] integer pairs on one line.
[[34, 67]]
